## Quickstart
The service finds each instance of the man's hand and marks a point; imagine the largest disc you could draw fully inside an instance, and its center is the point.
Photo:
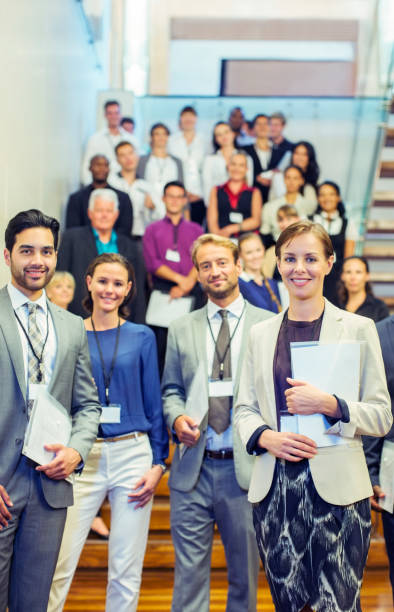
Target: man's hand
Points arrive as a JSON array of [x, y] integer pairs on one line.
[[287, 445], [63, 464], [187, 430], [304, 398], [378, 493], [148, 202], [176, 292], [263, 181], [147, 486], [5, 501]]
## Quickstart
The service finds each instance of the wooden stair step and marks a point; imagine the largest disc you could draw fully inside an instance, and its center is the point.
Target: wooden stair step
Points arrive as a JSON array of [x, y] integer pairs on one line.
[[159, 553], [382, 277], [387, 169], [383, 198], [381, 225], [385, 251], [389, 137]]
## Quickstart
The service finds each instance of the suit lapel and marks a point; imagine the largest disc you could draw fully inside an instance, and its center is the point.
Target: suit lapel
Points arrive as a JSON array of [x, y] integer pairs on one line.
[[10, 330], [248, 323], [61, 340], [332, 325], [268, 360]]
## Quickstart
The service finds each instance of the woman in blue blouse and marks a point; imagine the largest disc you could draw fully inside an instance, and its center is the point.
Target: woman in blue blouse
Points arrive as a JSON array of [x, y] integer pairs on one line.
[[255, 288], [127, 460]]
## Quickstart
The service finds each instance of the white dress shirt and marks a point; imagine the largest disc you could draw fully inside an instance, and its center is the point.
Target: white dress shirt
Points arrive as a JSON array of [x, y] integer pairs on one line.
[[160, 171], [235, 313], [192, 156], [19, 302], [137, 191], [270, 209], [333, 224], [104, 143]]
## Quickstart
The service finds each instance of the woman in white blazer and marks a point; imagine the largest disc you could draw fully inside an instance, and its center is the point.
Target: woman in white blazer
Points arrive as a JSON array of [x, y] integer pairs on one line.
[[311, 505]]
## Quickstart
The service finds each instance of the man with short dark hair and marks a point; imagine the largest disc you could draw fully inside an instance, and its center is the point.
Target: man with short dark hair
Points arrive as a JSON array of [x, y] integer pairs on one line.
[[128, 124], [211, 470], [104, 141], [280, 144], [78, 202], [167, 245], [79, 245], [42, 347]]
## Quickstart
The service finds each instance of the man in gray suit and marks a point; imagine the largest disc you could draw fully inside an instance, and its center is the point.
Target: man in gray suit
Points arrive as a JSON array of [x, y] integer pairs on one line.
[[211, 470], [40, 345]]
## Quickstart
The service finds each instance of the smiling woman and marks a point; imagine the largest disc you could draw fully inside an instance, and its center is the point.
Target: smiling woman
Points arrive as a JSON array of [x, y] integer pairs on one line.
[[127, 461], [311, 505]]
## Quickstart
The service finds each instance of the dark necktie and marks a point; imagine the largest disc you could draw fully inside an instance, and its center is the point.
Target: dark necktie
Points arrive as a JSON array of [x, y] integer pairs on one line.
[[219, 407], [35, 373]]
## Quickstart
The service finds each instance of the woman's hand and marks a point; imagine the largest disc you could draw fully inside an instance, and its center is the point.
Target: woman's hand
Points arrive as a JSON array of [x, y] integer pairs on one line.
[[147, 486], [287, 445], [378, 493], [304, 398]]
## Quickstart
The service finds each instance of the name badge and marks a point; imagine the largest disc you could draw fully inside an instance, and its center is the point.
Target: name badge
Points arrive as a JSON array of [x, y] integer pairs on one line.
[[236, 217], [35, 390], [221, 388], [110, 414], [173, 256]]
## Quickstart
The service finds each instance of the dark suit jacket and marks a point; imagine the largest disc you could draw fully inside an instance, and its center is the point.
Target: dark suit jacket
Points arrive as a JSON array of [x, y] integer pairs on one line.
[[373, 446], [71, 384], [277, 153], [78, 249], [77, 210]]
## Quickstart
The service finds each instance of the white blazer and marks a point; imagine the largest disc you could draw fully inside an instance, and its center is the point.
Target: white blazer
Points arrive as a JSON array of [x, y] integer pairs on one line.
[[339, 473]]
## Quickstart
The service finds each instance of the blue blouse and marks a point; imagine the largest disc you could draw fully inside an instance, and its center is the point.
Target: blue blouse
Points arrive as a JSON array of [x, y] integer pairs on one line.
[[259, 295], [135, 384]]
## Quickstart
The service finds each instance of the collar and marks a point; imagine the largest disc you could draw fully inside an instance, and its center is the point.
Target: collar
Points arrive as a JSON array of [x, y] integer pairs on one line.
[[18, 298], [97, 237], [235, 308], [168, 220], [333, 215]]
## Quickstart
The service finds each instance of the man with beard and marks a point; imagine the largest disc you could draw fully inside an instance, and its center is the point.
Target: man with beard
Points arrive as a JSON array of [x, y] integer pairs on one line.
[[78, 202], [210, 470], [42, 346]]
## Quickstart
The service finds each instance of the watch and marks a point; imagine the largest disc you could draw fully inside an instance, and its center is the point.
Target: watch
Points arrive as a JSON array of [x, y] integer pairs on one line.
[[162, 465]]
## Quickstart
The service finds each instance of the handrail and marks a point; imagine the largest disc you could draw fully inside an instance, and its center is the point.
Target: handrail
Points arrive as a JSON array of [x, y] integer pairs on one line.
[[90, 33]]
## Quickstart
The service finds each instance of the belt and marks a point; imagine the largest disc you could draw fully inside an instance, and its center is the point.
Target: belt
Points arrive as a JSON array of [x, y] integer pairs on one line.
[[131, 436], [219, 454]]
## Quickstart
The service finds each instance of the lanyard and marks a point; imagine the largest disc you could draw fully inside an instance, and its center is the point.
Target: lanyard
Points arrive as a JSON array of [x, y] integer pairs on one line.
[[222, 358], [107, 376], [38, 357]]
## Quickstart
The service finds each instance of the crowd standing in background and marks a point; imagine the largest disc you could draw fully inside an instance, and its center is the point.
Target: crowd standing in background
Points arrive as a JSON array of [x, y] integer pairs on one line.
[[136, 236]]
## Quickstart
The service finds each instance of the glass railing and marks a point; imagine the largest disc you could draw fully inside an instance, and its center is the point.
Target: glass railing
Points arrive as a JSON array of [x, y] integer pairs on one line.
[[344, 131]]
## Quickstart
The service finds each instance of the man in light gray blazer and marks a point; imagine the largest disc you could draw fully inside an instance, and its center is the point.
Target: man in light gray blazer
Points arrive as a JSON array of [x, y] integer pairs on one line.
[[210, 470], [40, 344]]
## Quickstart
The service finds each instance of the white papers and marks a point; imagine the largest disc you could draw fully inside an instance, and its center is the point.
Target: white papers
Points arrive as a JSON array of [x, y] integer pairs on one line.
[[386, 476], [333, 368], [196, 408], [49, 423], [162, 310]]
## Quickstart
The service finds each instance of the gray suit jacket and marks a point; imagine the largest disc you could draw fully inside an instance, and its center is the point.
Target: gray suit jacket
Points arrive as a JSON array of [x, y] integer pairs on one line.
[[71, 384], [186, 349]]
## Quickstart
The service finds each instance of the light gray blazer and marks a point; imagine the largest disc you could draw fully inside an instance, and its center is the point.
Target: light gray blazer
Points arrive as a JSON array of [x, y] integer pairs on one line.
[[339, 473], [186, 349], [71, 384]]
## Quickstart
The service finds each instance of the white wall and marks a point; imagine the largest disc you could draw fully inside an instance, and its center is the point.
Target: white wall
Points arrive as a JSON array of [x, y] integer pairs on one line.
[[161, 12], [47, 105]]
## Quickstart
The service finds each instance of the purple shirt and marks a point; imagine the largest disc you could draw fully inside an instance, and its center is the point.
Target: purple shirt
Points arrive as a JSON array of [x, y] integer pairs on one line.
[[161, 236]]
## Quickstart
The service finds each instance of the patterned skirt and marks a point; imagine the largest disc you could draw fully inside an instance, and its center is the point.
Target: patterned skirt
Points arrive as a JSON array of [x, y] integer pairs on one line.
[[313, 552]]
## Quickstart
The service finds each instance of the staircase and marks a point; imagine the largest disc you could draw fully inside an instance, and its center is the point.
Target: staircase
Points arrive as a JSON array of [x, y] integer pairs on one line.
[[159, 551], [379, 238]]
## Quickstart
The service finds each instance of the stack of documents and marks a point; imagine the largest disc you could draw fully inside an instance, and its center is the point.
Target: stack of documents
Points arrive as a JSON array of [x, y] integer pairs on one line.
[[162, 310], [332, 368], [49, 423]]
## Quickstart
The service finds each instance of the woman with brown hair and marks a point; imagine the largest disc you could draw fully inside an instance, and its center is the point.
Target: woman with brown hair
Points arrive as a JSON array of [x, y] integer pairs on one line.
[[355, 292], [311, 507], [127, 460]]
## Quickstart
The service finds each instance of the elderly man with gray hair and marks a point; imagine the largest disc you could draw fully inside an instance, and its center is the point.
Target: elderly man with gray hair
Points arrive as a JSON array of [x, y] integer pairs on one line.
[[80, 245]]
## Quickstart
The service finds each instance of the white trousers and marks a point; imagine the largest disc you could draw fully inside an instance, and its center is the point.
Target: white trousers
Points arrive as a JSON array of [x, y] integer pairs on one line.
[[112, 469]]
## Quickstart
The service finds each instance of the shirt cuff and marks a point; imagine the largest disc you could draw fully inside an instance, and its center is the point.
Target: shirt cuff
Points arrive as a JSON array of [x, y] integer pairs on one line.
[[251, 447], [344, 410]]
